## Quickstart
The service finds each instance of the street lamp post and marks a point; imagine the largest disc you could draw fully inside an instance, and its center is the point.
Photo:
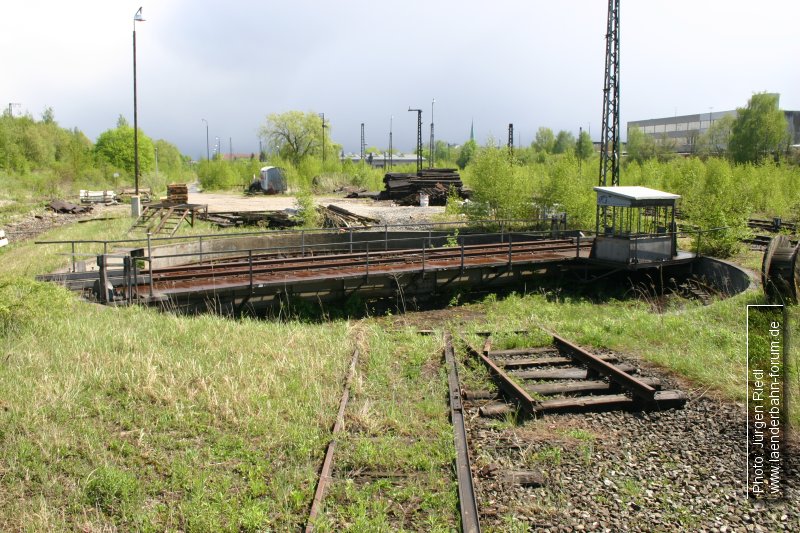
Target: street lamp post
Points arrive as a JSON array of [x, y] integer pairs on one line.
[[208, 152], [323, 140], [391, 119], [135, 205]]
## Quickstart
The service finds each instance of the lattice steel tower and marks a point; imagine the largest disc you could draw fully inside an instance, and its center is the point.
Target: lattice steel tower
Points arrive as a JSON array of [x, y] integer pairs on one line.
[[609, 139], [419, 138]]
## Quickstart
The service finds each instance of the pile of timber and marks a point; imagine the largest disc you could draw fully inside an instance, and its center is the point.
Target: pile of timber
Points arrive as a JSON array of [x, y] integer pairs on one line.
[[125, 193], [263, 219], [336, 217], [177, 193], [97, 197], [405, 189]]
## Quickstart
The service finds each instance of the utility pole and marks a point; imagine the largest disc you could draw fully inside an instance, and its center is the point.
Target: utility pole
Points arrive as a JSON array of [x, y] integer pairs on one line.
[[208, 151], [419, 138], [363, 144], [511, 138], [391, 119], [230, 148]]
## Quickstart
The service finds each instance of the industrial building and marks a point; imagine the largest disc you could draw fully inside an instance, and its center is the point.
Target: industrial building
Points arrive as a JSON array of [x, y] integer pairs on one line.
[[683, 131]]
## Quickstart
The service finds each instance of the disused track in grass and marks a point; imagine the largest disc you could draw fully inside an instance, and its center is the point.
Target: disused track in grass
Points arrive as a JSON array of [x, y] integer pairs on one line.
[[327, 464], [622, 388], [470, 522], [554, 371]]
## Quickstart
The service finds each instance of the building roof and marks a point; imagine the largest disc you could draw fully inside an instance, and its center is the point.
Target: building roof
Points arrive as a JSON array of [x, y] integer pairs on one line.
[[634, 196]]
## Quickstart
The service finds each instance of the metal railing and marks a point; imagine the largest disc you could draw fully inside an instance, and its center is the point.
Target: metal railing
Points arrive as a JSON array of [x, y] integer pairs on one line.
[[369, 251], [503, 226]]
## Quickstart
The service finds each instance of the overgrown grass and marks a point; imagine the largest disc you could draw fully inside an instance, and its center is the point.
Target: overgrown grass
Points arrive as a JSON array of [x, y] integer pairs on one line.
[[149, 421], [130, 419], [393, 462]]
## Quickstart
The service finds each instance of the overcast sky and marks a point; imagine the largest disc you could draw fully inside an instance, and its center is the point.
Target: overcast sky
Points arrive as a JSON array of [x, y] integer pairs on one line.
[[534, 63]]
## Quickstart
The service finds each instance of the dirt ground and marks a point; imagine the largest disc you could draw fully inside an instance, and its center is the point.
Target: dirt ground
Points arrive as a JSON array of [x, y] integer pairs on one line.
[[385, 211], [37, 221]]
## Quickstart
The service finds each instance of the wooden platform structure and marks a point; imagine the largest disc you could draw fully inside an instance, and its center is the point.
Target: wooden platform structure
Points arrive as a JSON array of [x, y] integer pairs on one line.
[[165, 218]]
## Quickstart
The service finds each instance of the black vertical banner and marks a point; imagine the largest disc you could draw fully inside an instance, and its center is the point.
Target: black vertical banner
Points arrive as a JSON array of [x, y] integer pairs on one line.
[[766, 400]]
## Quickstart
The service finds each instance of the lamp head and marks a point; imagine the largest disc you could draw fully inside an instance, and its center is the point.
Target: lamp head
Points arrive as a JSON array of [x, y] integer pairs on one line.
[[138, 16]]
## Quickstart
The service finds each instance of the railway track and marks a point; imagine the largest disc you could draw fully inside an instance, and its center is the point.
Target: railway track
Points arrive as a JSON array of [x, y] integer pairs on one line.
[[325, 475], [268, 264], [259, 270], [531, 382], [565, 377]]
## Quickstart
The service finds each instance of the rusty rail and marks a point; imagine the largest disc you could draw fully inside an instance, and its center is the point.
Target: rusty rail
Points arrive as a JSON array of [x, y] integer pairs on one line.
[[604, 368], [622, 390], [237, 266], [470, 522], [325, 473], [526, 403]]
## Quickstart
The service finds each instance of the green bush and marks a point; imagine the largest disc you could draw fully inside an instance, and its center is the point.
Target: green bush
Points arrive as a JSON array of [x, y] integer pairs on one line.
[[217, 175], [499, 188]]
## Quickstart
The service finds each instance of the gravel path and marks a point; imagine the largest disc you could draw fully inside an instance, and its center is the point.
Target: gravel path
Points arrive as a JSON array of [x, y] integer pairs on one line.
[[674, 470], [38, 221], [385, 211]]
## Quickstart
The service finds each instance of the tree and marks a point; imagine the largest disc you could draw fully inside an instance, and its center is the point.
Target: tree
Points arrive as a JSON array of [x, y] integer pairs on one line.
[[295, 135], [716, 138], [545, 140], [77, 155], [497, 192], [116, 147], [466, 153], [565, 141], [584, 147], [48, 116], [640, 146], [759, 129], [170, 160]]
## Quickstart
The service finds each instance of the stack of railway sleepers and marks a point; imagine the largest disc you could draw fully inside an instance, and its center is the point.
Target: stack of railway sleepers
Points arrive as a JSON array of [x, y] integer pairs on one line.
[[177, 193], [405, 189], [336, 217], [268, 219]]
